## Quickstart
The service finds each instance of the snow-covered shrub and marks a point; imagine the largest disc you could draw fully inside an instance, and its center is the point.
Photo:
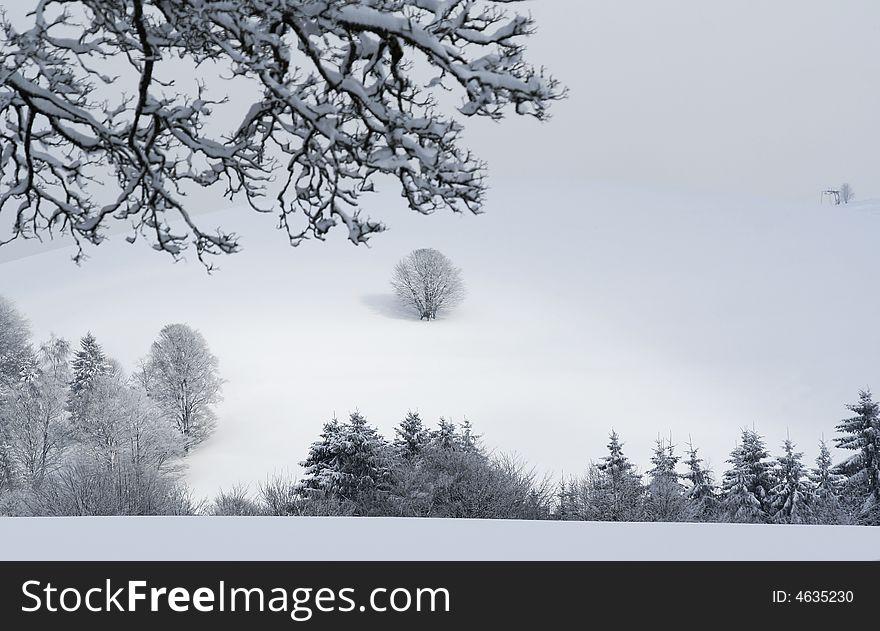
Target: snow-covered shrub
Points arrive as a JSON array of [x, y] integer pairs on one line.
[[234, 503]]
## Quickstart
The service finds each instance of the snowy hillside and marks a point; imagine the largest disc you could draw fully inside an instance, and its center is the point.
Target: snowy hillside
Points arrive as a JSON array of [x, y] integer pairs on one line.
[[588, 308]]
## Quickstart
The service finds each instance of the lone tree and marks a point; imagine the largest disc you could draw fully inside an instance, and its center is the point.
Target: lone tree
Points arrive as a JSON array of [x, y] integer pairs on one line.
[[846, 193], [101, 122], [181, 375], [427, 282]]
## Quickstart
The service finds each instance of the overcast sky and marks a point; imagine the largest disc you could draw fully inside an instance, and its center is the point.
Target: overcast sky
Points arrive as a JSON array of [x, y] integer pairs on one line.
[[777, 98]]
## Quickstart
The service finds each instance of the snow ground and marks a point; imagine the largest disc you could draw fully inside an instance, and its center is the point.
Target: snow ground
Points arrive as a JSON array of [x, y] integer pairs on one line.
[[400, 539], [589, 307]]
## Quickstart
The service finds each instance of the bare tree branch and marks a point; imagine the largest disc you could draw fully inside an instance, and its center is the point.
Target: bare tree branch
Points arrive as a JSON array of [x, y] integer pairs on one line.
[[344, 92]]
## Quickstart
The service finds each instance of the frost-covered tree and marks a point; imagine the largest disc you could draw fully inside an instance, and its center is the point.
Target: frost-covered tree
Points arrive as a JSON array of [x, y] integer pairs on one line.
[[98, 418], [350, 462], [702, 496], [750, 474], [618, 495], [861, 433], [565, 500], [7, 467], [665, 496], [792, 495], [35, 417], [738, 503], [15, 348], [846, 193], [446, 435], [148, 440], [98, 127], [89, 363], [182, 377], [410, 436], [427, 282], [827, 485]]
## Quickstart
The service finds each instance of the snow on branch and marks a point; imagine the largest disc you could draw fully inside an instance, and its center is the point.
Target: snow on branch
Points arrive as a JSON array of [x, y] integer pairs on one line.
[[344, 91]]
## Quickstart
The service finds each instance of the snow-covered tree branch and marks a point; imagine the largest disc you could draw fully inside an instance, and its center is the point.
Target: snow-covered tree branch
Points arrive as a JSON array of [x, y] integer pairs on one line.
[[94, 129]]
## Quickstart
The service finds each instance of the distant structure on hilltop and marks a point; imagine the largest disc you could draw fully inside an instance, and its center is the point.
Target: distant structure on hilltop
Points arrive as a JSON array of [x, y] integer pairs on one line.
[[842, 195]]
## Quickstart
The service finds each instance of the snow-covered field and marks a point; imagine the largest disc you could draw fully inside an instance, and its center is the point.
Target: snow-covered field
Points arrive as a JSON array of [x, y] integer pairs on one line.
[[400, 539], [589, 308]]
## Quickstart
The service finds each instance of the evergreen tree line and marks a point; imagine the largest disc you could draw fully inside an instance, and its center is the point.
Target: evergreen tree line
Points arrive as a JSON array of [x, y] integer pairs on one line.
[[754, 488], [447, 472], [80, 437]]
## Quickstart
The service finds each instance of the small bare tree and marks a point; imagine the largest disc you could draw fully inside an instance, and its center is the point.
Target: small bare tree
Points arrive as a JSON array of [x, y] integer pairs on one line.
[[846, 193], [428, 282]]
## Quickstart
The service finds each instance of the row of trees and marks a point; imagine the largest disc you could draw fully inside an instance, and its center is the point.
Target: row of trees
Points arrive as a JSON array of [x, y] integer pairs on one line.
[[754, 488], [447, 472], [79, 437]]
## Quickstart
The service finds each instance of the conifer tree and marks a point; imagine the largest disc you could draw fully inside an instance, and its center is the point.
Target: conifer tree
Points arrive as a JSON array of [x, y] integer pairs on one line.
[[446, 436], [88, 367], [89, 362], [350, 462], [702, 495], [749, 467], [861, 433], [827, 485], [469, 441], [620, 492], [665, 499], [564, 501], [411, 436], [739, 504], [792, 494], [749, 474]]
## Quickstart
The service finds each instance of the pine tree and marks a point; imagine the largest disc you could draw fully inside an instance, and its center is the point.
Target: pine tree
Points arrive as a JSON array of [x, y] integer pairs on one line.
[[88, 367], [750, 474], [665, 499], [350, 462], [620, 491], [469, 441], [739, 504], [446, 436], [827, 507], [411, 436], [564, 501], [754, 457], [792, 494], [89, 363], [749, 468], [702, 496], [861, 433]]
